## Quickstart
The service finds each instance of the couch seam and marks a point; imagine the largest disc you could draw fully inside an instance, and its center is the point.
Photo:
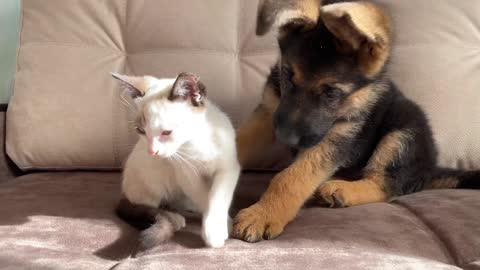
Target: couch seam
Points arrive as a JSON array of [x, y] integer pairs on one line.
[[460, 45], [238, 52], [200, 50], [115, 101], [286, 250], [159, 50], [69, 168], [467, 263], [436, 235], [67, 44]]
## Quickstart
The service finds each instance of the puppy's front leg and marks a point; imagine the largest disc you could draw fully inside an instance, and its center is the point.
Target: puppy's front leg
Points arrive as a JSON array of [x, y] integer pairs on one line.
[[289, 189], [215, 228]]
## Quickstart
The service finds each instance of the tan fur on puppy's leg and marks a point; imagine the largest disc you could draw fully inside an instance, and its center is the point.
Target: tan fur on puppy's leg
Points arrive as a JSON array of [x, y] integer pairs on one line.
[[280, 203], [374, 186], [289, 189], [339, 193]]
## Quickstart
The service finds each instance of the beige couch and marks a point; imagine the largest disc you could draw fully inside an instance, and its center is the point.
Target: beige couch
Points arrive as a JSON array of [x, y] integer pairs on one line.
[[67, 130]]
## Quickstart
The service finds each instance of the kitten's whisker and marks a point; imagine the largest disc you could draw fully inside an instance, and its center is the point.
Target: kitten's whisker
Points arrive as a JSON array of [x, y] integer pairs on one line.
[[128, 107], [188, 163], [128, 104], [184, 164], [191, 161]]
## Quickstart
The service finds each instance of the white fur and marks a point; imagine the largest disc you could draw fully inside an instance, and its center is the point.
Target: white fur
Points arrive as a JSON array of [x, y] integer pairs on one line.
[[197, 163]]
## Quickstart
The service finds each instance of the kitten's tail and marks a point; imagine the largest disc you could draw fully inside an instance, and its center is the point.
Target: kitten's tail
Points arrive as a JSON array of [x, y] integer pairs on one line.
[[450, 178], [158, 225]]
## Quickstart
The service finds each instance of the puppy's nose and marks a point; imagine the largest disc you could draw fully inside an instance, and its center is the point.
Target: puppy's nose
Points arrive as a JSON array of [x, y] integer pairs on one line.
[[287, 137]]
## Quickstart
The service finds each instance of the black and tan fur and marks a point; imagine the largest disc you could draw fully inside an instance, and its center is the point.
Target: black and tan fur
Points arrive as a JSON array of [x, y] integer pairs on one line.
[[359, 139]]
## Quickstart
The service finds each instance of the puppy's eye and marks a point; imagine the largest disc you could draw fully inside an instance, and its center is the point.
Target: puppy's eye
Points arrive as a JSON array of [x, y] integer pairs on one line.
[[140, 130], [287, 73], [332, 92], [286, 79]]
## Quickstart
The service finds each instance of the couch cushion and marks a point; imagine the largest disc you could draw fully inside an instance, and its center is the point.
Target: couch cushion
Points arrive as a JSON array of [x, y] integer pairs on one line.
[[66, 112], [62, 221], [436, 63], [452, 215], [65, 96], [66, 221]]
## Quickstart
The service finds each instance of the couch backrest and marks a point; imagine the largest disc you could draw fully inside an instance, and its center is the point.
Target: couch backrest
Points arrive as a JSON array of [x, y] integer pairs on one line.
[[66, 111]]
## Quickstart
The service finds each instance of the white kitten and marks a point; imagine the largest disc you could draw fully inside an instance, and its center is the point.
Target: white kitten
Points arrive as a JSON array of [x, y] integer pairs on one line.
[[185, 158]]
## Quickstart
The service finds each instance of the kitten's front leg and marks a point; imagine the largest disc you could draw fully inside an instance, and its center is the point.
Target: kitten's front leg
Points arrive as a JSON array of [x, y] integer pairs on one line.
[[216, 227]]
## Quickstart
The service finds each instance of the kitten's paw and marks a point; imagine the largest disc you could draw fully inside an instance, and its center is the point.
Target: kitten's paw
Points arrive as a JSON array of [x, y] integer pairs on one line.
[[215, 231], [178, 221]]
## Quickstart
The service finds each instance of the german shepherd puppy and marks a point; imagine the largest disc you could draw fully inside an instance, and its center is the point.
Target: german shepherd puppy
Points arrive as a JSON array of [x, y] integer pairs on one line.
[[330, 99]]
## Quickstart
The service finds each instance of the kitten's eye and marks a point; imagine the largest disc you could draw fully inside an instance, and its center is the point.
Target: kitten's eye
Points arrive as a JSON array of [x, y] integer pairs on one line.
[[140, 130], [166, 132]]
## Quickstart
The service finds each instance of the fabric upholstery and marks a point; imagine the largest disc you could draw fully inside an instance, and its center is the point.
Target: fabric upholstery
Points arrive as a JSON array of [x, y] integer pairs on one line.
[[66, 221], [8, 170], [63, 84], [436, 63], [66, 112], [452, 218]]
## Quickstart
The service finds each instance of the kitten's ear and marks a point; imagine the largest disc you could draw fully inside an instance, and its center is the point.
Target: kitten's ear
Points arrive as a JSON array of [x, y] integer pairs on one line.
[[135, 87], [188, 87]]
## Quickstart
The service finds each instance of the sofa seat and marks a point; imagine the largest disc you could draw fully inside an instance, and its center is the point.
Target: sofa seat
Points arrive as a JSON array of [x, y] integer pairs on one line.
[[65, 220]]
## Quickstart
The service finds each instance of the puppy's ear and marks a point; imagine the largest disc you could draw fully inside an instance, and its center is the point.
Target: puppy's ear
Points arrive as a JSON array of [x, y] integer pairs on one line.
[[135, 87], [285, 14], [188, 87], [362, 28]]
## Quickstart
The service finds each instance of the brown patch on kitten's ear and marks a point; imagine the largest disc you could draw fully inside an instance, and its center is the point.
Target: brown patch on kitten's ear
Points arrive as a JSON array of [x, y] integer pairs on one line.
[[285, 14], [189, 86], [135, 87], [362, 28]]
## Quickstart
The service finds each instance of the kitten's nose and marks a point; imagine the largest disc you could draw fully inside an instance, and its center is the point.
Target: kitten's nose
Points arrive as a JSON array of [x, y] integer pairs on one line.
[[152, 152], [154, 145]]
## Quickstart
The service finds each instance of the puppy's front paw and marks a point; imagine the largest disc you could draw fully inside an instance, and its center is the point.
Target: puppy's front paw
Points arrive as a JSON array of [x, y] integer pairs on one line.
[[215, 231], [253, 224]]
